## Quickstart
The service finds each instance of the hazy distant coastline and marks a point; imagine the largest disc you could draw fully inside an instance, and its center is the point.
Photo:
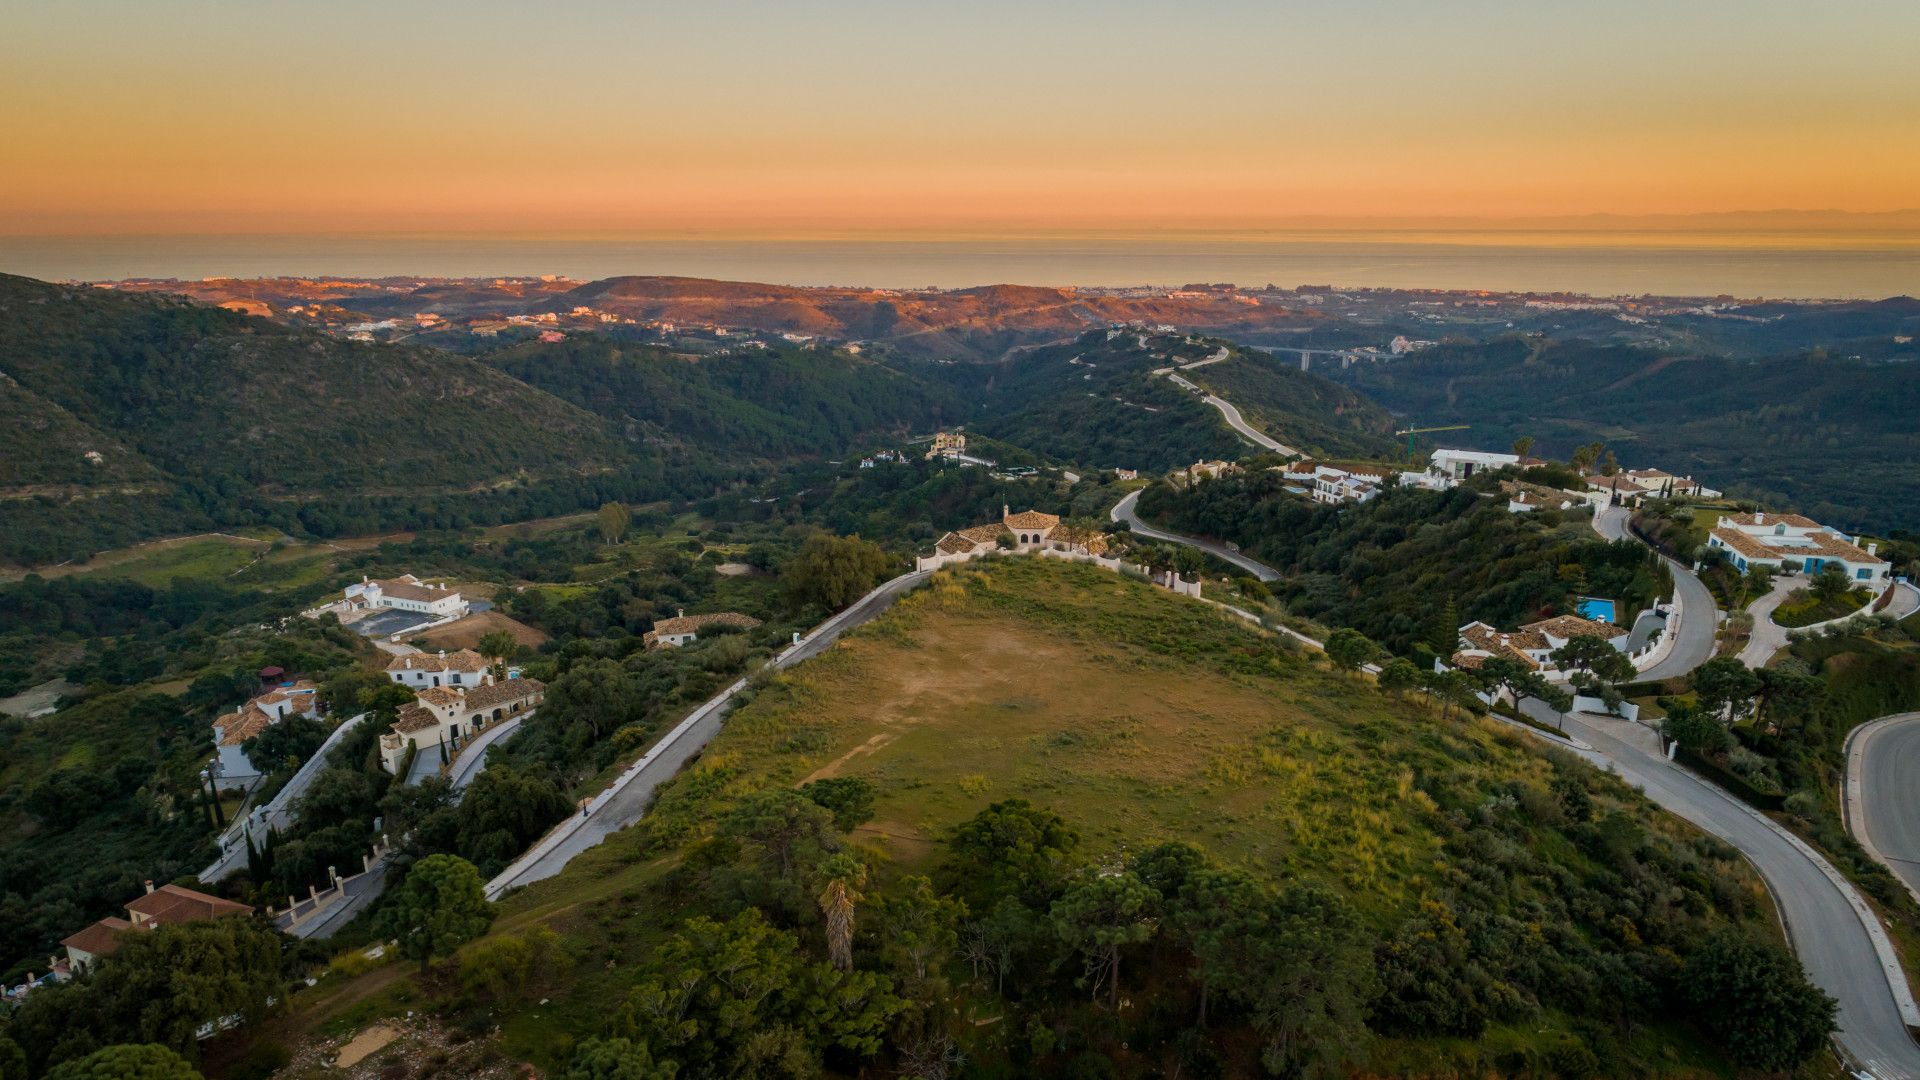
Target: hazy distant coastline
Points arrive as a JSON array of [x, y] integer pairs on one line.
[[1746, 259]]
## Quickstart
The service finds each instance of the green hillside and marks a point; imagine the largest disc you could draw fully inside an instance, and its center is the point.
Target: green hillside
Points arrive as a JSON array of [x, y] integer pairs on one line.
[[1299, 408], [225, 398], [1289, 867]]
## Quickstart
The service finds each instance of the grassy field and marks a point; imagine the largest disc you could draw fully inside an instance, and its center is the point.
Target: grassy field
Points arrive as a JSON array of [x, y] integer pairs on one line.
[[1137, 716]]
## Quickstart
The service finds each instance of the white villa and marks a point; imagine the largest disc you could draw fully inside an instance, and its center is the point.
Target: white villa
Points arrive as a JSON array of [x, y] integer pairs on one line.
[[1349, 483], [1775, 540], [451, 715], [1031, 532], [684, 629], [1664, 484], [421, 671], [230, 732], [1457, 465], [404, 593], [1533, 644]]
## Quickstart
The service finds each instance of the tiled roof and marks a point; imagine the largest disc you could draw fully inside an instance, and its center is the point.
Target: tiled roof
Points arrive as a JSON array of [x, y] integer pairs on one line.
[[1823, 544], [692, 624], [286, 693], [439, 695], [1031, 519], [99, 939], [459, 660], [237, 727], [412, 718], [174, 904], [1572, 626], [500, 693], [1617, 482], [954, 544], [1746, 545], [983, 534], [1763, 519]]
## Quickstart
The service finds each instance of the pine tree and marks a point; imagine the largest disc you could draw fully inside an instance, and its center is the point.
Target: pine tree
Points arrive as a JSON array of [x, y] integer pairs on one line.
[[1444, 636]]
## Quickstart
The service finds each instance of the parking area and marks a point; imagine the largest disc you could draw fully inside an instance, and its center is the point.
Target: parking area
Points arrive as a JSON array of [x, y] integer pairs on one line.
[[383, 623]]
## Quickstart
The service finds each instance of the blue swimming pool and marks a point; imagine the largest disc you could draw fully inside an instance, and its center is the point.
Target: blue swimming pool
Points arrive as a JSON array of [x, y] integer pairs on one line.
[[1598, 610]]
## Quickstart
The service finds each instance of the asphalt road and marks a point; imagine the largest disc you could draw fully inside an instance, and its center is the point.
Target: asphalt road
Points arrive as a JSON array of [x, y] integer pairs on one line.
[[1835, 934], [1698, 617], [622, 804], [473, 756], [1124, 511], [1883, 802], [1826, 919], [1768, 637], [1238, 422], [360, 892], [277, 812]]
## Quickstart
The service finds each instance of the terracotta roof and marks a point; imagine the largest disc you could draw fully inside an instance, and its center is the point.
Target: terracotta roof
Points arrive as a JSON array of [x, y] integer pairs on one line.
[[237, 727], [439, 695], [954, 544], [486, 697], [1746, 545], [1764, 519], [1031, 519], [286, 693], [1487, 639], [1651, 474], [459, 660], [982, 534], [692, 624], [408, 590], [412, 718], [1819, 543], [99, 939], [1618, 482], [174, 904], [1572, 626]]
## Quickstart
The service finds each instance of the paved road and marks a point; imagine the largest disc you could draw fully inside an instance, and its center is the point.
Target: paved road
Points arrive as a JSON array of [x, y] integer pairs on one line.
[[1124, 511], [624, 803], [1698, 617], [1831, 927], [1237, 421], [360, 892], [1883, 802], [1835, 934], [277, 813]]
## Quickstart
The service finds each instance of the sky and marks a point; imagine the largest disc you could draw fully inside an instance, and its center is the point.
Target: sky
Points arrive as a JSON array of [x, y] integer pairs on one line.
[[785, 117]]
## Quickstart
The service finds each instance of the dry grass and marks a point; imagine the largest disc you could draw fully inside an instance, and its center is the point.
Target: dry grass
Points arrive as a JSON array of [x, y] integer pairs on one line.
[[466, 633]]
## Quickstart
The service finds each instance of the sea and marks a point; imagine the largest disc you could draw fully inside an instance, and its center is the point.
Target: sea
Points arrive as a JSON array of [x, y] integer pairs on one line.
[[1747, 265]]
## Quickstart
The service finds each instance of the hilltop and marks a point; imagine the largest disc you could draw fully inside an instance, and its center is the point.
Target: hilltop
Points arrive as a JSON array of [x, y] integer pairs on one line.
[[1023, 735]]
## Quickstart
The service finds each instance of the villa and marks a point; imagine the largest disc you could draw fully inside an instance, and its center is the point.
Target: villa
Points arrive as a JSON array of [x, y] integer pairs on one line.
[[1349, 483], [1032, 532], [947, 444], [445, 715], [1790, 543], [1532, 644], [684, 629], [165, 906], [422, 671], [231, 732], [404, 593], [1457, 465]]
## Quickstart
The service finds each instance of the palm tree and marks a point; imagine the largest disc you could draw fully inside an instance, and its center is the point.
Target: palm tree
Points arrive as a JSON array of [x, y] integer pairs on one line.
[[843, 875]]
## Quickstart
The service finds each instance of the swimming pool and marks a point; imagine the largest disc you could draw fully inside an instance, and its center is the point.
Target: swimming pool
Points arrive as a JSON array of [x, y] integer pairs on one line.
[[1596, 609]]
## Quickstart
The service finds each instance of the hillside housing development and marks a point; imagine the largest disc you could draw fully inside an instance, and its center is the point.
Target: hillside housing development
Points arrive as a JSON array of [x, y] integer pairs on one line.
[[447, 715]]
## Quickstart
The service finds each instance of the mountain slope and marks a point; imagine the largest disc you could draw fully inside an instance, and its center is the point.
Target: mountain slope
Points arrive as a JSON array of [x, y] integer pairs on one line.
[[1300, 408], [208, 393]]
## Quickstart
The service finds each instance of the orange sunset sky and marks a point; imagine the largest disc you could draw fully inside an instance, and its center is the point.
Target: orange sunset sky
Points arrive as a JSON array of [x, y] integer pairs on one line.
[[219, 116]]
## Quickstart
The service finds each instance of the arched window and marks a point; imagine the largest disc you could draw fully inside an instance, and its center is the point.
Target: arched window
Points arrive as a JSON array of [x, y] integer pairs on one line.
[[1779, 530]]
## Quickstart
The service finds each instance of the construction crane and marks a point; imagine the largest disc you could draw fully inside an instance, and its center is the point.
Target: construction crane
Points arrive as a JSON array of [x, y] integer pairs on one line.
[[1412, 431]]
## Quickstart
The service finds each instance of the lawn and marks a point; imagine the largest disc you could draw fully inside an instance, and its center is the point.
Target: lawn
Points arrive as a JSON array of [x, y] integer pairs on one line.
[[1807, 610]]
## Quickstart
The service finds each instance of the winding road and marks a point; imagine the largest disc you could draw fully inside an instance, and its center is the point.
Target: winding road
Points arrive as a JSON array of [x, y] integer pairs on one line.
[[1882, 801], [1838, 938], [1699, 619], [1123, 511], [277, 813], [623, 803]]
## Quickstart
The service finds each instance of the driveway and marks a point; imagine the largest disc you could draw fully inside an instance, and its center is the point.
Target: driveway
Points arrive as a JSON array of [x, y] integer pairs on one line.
[[1124, 511], [622, 804], [1768, 637], [361, 891], [473, 756], [1882, 801]]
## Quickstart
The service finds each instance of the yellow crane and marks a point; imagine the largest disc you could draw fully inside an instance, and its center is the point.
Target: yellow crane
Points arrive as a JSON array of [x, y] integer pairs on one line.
[[1412, 431]]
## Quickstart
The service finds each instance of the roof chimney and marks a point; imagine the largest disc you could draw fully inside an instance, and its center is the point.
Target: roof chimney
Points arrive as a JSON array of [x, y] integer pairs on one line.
[[1873, 546], [443, 654], [1759, 517], [149, 884], [682, 613]]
